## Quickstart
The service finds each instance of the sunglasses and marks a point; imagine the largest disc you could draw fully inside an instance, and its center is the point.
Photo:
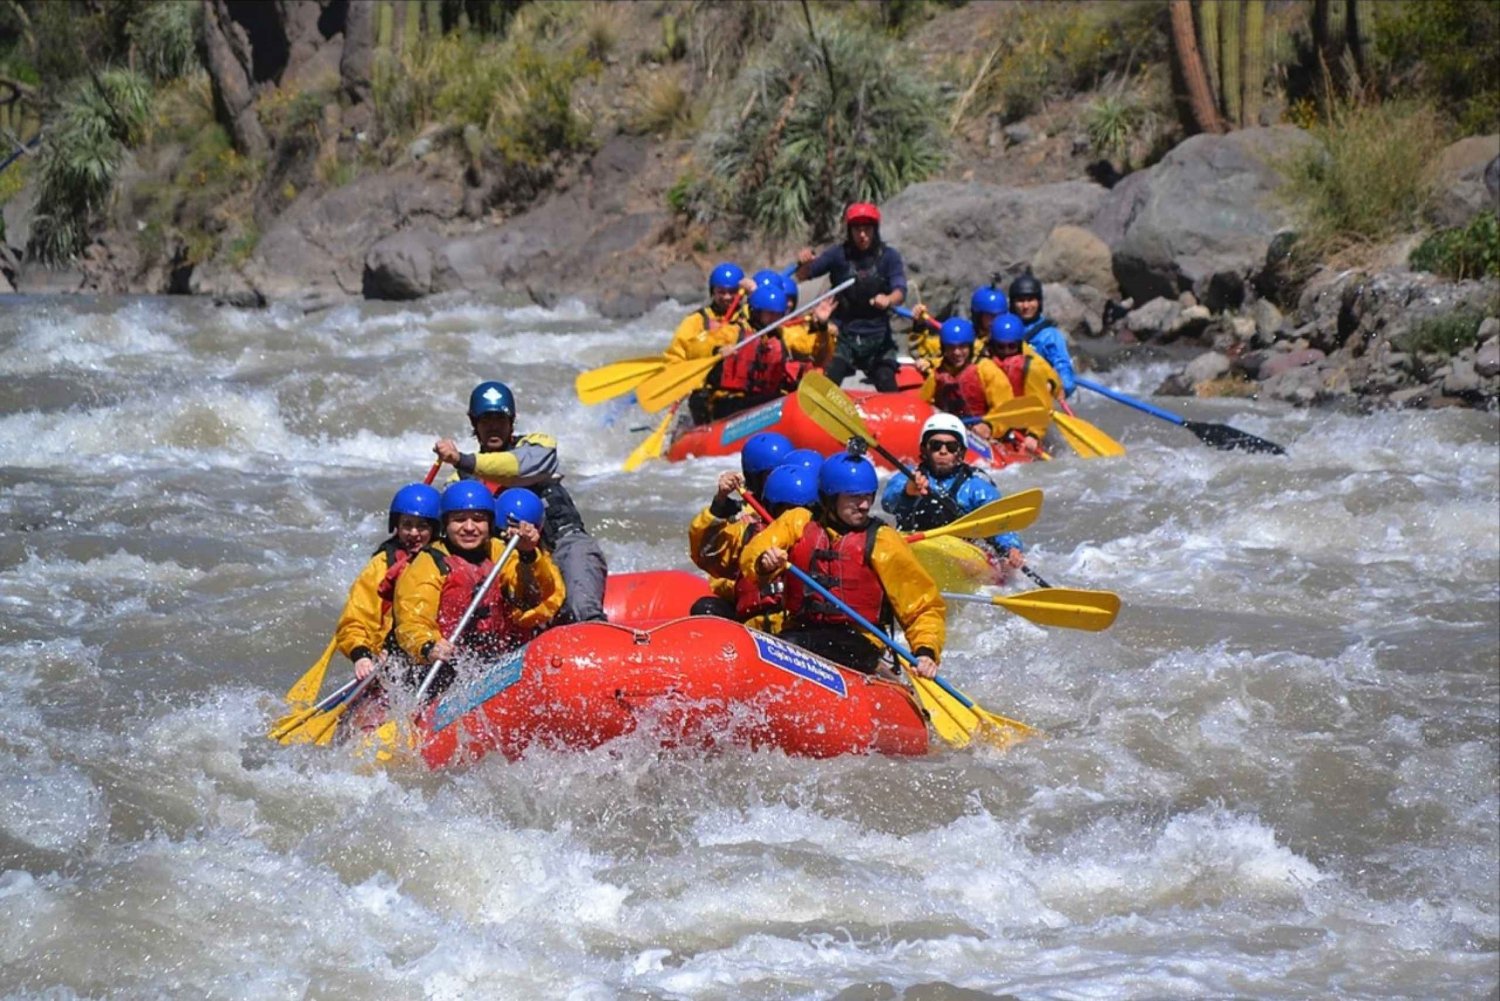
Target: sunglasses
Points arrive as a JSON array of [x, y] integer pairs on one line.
[[944, 445]]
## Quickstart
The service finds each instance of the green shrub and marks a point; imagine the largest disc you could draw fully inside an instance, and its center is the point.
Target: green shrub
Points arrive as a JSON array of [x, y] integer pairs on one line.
[[789, 152], [80, 157], [1052, 49], [1445, 50], [1366, 179], [1110, 122], [164, 35], [663, 107], [517, 93], [1445, 335], [1471, 251]]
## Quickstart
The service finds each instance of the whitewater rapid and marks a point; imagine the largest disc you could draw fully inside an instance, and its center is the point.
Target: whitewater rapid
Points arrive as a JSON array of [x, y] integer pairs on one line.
[[1275, 777]]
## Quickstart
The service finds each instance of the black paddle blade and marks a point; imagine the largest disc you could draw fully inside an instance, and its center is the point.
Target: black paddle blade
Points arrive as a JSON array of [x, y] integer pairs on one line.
[[1228, 439]]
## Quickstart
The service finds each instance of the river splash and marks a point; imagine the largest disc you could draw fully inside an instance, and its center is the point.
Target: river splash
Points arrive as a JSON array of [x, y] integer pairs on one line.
[[1276, 776]]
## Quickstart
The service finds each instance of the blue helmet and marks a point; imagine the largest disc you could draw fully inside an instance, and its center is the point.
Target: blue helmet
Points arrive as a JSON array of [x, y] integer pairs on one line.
[[792, 486], [763, 452], [468, 495], [768, 298], [807, 458], [789, 286], [519, 504], [491, 398], [987, 299], [1008, 329], [846, 474], [725, 275], [416, 499], [766, 278], [956, 330]]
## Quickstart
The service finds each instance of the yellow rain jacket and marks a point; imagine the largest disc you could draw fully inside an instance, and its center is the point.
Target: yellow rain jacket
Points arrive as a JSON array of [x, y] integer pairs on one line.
[[808, 344], [909, 589], [532, 592], [702, 334], [365, 623], [1040, 381], [714, 546]]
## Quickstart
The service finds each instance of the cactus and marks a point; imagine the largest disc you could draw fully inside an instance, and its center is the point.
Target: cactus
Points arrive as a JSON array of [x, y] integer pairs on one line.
[[1253, 62], [1229, 63], [385, 24]]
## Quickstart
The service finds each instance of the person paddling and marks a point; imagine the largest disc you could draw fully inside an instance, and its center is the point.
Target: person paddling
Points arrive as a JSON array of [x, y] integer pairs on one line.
[[756, 373], [955, 386], [1041, 333], [718, 534], [434, 592], [985, 305], [865, 343], [917, 502], [705, 331], [861, 560], [509, 460], [1012, 370], [363, 633]]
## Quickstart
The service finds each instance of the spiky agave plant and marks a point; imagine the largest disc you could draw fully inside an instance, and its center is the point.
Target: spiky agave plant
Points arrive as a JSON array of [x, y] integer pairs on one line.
[[801, 135], [85, 143]]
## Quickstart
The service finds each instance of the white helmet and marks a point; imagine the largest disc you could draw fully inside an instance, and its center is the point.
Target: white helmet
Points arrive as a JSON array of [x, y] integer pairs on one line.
[[947, 424]]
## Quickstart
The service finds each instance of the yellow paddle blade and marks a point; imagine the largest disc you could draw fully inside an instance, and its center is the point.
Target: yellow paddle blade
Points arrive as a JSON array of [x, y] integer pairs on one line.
[[304, 691], [963, 724], [1023, 412], [1064, 607], [615, 379], [954, 564], [950, 721], [674, 382], [651, 447], [1086, 439], [830, 408], [1007, 514]]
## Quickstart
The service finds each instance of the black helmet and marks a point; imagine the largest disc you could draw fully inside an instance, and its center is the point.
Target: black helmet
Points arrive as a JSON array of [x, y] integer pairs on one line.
[[1026, 287]]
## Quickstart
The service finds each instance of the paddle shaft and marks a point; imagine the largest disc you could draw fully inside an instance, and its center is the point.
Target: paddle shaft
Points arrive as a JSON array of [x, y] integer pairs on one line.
[[1220, 436], [788, 317], [468, 615]]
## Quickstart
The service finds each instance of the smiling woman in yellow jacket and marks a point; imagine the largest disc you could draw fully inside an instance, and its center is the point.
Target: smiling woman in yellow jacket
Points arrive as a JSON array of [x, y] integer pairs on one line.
[[433, 594]]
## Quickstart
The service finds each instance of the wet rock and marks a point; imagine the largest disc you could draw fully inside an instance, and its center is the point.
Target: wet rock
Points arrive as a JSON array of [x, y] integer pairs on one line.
[[1459, 189], [1462, 379], [1267, 319], [956, 236], [1203, 218], [1207, 367], [400, 266], [1487, 358], [1154, 318], [1286, 361], [1190, 322], [6, 288], [1075, 256], [1301, 385], [1416, 396]]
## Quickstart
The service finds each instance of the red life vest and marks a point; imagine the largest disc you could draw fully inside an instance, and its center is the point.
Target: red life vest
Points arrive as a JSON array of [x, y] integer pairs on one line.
[[1014, 368], [397, 560], [843, 567], [752, 597], [961, 393], [756, 370], [491, 630]]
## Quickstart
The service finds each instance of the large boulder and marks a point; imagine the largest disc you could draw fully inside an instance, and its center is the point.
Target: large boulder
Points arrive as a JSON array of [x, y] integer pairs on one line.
[[400, 266], [1459, 179], [1203, 218], [321, 244], [1073, 255], [957, 236]]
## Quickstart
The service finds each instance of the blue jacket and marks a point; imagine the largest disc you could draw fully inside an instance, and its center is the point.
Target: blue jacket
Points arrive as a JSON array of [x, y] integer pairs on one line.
[[974, 489], [1049, 342]]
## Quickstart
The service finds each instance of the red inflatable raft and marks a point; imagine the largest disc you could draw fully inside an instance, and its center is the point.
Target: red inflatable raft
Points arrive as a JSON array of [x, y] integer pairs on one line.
[[695, 682], [895, 419], [692, 681]]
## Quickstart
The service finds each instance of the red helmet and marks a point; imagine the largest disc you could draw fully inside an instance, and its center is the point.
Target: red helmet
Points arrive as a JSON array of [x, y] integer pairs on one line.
[[861, 212]]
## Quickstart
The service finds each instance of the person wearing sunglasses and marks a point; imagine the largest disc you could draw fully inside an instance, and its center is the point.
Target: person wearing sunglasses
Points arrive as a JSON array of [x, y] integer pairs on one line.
[[916, 502]]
